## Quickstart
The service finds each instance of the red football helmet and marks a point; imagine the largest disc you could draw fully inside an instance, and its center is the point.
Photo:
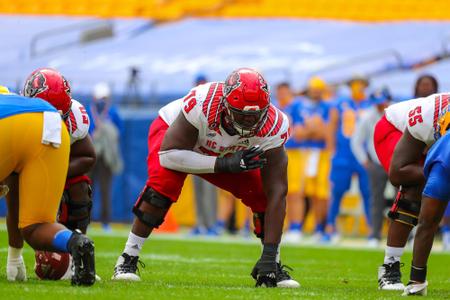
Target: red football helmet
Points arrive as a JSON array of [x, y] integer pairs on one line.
[[246, 100], [51, 86]]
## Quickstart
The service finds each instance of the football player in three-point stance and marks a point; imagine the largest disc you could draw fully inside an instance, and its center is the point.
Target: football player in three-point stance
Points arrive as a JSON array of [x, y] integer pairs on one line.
[[35, 148], [76, 203], [401, 139], [229, 134], [436, 195]]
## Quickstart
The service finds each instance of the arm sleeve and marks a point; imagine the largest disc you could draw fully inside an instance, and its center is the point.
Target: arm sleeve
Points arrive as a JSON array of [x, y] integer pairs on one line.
[[187, 161]]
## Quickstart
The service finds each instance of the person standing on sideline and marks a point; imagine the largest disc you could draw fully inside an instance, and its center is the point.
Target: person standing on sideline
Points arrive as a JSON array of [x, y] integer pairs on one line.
[[105, 129], [364, 149]]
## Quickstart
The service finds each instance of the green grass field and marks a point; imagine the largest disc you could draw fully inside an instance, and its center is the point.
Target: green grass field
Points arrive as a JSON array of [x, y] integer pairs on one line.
[[178, 268]]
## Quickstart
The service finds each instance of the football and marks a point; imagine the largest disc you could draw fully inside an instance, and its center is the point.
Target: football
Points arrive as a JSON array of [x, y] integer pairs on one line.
[[51, 265]]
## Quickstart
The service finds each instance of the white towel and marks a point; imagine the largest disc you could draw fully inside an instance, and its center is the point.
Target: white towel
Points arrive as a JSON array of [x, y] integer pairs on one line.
[[51, 132]]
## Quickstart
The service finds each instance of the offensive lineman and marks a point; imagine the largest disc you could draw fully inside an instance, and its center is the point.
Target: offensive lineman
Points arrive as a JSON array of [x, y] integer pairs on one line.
[[401, 138], [76, 203], [35, 147], [229, 134]]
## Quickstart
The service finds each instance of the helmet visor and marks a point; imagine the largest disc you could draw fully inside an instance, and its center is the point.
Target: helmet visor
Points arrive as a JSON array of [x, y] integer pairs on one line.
[[246, 122]]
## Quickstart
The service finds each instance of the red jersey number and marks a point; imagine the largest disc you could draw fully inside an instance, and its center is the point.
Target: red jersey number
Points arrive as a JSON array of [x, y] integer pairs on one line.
[[84, 115], [189, 102], [415, 116]]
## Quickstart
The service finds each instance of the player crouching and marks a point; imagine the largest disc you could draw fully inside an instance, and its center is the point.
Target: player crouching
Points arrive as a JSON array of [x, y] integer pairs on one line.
[[229, 134], [35, 148], [76, 202]]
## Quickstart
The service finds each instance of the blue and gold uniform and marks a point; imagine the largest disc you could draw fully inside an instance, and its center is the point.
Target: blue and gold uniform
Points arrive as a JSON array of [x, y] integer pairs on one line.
[[315, 159], [344, 163], [295, 153], [42, 169], [437, 170]]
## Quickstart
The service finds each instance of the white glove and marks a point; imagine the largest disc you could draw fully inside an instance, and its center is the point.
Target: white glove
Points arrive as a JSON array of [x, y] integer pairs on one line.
[[15, 266]]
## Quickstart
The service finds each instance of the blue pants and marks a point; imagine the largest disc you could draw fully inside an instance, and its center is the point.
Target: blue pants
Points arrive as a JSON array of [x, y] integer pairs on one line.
[[341, 176]]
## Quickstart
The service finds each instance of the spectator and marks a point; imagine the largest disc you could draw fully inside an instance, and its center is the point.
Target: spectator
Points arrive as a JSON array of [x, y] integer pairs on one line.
[[206, 198], [425, 85], [363, 147], [343, 118], [105, 130]]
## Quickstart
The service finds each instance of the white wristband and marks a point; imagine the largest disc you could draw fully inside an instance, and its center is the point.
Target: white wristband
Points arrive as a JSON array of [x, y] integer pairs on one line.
[[187, 161]]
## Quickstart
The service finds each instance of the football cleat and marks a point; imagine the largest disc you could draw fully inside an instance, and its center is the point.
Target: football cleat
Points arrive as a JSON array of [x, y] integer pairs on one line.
[[389, 277], [82, 251], [416, 289], [127, 267], [284, 279]]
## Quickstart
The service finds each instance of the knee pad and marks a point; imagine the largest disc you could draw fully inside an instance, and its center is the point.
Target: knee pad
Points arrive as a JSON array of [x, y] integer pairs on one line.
[[405, 211], [75, 207], [258, 223], [160, 205]]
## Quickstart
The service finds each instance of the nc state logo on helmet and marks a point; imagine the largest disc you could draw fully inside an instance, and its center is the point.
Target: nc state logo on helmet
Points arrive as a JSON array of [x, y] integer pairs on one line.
[[246, 101], [51, 86]]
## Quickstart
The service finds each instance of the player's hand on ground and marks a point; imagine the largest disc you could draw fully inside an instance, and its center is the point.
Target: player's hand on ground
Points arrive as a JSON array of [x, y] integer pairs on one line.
[[15, 269], [264, 272], [240, 161]]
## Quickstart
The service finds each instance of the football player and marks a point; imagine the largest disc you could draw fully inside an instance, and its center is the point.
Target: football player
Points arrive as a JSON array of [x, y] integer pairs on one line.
[[229, 134], [401, 138], [35, 147], [436, 195], [76, 202]]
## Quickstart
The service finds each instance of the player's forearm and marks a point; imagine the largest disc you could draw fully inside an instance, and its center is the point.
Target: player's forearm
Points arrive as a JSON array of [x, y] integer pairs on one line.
[[274, 219], [80, 165], [187, 161]]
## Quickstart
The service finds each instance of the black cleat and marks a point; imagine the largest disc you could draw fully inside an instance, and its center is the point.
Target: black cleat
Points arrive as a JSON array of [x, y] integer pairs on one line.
[[390, 277], [126, 268], [82, 251], [284, 279]]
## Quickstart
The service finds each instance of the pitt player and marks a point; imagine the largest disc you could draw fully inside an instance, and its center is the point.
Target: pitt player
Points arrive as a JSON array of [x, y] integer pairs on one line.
[[76, 203], [435, 197], [343, 118], [295, 202], [310, 120], [35, 146]]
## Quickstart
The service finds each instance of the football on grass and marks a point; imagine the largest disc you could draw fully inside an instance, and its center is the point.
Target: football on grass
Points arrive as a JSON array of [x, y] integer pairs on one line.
[[51, 265]]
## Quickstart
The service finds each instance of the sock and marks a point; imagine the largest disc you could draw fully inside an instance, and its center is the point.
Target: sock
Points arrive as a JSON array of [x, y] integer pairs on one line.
[[295, 226], [220, 224], [134, 244], [61, 240], [393, 254], [320, 228], [14, 253], [277, 259]]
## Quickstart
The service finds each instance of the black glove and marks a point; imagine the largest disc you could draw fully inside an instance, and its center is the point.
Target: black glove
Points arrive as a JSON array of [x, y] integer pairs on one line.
[[240, 161], [265, 270]]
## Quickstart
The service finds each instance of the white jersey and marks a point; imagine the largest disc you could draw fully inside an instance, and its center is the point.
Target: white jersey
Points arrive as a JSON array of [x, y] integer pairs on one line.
[[420, 116], [78, 122], [202, 107]]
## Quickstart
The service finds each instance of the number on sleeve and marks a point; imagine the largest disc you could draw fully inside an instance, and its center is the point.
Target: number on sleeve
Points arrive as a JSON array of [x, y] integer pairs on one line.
[[84, 115], [189, 102], [415, 116]]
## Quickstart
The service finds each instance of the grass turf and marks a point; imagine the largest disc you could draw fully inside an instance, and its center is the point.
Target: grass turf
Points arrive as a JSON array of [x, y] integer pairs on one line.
[[193, 269]]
